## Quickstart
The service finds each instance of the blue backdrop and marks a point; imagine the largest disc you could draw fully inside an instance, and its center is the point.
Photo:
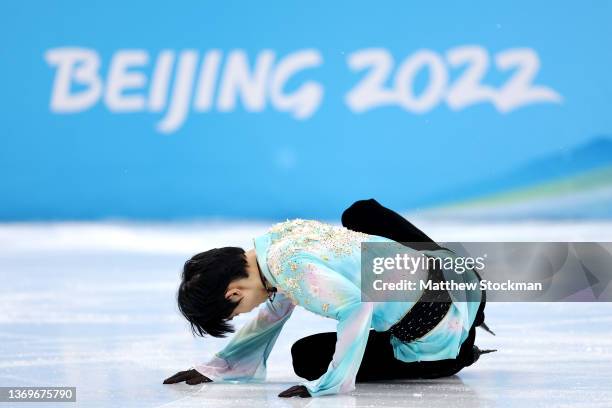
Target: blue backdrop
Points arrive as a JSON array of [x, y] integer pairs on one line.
[[279, 109]]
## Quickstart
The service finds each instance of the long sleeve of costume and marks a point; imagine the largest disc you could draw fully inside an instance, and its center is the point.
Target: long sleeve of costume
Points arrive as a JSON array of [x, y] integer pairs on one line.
[[244, 357], [353, 330], [331, 294]]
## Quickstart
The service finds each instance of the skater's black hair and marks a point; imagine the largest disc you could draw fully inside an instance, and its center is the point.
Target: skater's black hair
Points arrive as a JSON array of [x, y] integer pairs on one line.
[[201, 294]]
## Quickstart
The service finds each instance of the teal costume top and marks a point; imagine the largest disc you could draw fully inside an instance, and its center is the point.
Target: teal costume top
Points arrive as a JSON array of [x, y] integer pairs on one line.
[[317, 266]]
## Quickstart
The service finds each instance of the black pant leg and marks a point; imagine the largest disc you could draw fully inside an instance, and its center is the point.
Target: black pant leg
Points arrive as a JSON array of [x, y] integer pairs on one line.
[[370, 217], [312, 355]]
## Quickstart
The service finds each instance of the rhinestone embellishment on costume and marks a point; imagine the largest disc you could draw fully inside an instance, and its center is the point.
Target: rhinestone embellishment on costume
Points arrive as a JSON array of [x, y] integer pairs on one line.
[[312, 236], [307, 236]]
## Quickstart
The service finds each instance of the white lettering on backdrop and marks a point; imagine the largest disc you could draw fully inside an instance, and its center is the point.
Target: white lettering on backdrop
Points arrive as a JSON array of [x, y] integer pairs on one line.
[[177, 82]]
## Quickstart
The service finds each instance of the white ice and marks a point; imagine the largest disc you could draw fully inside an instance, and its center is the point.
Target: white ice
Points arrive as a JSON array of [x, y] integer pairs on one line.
[[92, 305]]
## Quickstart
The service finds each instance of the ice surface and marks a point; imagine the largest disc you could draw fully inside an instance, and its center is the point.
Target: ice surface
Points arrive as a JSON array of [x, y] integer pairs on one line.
[[92, 306]]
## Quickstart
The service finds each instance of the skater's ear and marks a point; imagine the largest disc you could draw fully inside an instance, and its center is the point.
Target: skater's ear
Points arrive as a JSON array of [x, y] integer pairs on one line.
[[233, 295]]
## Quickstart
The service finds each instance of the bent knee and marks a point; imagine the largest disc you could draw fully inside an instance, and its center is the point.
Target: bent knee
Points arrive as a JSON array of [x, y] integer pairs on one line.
[[311, 355], [302, 363], [357, 209]]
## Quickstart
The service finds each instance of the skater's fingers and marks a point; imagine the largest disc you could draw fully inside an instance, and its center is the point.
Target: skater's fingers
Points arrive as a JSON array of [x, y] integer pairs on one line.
[[295, 391], [178, 377], [198, 379], [172, 379], [288, 392]]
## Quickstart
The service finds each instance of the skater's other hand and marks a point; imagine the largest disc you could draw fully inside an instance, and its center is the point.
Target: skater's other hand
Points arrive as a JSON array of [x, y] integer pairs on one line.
[[191, 377], [295, 391]]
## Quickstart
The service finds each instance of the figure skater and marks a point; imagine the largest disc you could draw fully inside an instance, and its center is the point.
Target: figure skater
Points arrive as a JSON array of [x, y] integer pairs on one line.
[[317, 266]]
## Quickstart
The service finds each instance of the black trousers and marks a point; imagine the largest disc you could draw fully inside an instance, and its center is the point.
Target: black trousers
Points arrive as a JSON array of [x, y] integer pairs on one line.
[[313, 354]]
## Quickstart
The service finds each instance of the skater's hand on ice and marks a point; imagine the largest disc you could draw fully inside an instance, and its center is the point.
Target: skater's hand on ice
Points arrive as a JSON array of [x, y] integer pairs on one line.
[[191, 377], [295, 391]]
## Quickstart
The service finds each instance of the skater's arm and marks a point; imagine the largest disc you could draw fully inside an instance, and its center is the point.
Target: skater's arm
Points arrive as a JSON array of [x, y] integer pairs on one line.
[[326, 292], [244, 357], [353, 330]]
